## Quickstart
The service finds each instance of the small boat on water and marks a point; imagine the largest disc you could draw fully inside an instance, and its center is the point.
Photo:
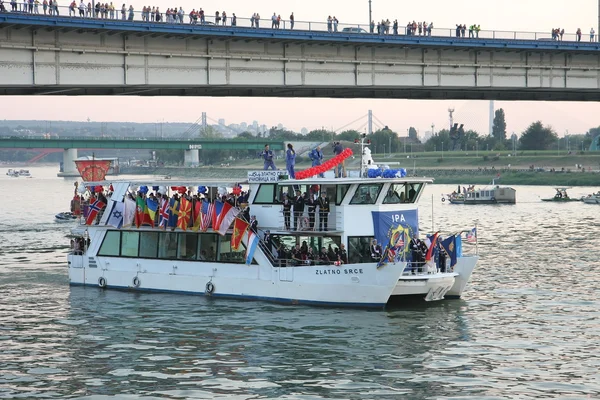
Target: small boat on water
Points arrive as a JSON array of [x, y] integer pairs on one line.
[[486, 195], [593, 198], [355, 251], [17, 173], [561, 196], [65, 216]]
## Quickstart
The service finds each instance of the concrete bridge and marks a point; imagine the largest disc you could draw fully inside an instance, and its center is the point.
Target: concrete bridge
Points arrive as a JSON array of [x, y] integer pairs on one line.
[[191, 147], [70, 56]]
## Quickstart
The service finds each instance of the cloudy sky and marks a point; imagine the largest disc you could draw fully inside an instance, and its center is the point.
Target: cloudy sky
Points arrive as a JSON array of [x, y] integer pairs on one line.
[[507, 15]]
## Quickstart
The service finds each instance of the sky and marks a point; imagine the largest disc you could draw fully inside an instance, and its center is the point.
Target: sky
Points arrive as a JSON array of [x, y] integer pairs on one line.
[[399, 115]]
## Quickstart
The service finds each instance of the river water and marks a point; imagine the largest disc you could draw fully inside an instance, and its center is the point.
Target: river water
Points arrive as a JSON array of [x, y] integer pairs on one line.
[[527, 326]]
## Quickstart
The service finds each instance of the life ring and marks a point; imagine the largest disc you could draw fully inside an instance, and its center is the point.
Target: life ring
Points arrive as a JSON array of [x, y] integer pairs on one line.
[[102, 282], [136, 282], [210, 288], [443, 199]]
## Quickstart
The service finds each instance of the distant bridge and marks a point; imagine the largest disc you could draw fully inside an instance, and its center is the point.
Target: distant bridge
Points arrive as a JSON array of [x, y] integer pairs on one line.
[[190, 146]]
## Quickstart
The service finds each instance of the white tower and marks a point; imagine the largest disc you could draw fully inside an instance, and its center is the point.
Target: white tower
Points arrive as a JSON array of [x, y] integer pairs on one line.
[[491, 117], [451, 111]]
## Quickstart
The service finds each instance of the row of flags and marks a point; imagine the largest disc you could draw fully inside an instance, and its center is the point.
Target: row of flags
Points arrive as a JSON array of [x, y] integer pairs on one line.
[[241, 228], [397, 247], [172, 213]]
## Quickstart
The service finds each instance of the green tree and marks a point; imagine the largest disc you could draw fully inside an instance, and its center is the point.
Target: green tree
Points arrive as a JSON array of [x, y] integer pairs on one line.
[[537, 137], [320, 135], [499, 126], [210, 133], [435, 143], [413, 134], [349, 135], [245, 136]]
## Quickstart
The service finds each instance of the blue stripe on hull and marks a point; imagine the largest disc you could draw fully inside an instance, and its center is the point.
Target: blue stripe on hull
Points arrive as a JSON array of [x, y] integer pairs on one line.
[[243, 297]]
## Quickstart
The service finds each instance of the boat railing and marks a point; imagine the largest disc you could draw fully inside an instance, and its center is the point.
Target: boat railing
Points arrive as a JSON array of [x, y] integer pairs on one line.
[[304, 223], [423, 268]]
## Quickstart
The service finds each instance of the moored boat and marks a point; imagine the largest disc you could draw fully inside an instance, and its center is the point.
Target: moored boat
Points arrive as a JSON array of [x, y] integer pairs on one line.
[[561, 196], [65, 216], [593, 198], [314, 242], [486, 195]]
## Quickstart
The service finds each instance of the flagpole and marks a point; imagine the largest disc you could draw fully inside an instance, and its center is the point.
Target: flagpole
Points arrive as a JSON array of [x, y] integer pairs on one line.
[[476, 239], [432, 226]]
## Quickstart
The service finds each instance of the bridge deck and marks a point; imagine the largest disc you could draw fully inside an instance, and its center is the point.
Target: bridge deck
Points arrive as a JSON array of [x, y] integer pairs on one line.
[[537, 41]]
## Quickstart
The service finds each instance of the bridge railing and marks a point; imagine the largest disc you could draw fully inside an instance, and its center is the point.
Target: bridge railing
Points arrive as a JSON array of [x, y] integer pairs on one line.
[[285, 24]]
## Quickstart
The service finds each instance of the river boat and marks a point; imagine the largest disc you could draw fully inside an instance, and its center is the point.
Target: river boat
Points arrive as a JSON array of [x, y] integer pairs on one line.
[[116, 255], [593, 198], [561, 196], [17, 173], [486, 195], [65, 216]]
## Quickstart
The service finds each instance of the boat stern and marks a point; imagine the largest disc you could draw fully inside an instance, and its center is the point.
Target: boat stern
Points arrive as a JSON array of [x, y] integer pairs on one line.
[[464, 268]]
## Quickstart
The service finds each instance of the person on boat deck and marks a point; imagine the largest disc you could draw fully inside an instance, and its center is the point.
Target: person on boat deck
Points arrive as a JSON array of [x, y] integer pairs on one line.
[[287, 211], [376, 251], [267, 156], [392, 197], [311, 203], [323, 257], [254, 224], [246, 213], [442, 256], [418, 249], [340, 169], [412, 193], [343, 254], [316, 156], [298, 209], [323, 212], [290, 160]]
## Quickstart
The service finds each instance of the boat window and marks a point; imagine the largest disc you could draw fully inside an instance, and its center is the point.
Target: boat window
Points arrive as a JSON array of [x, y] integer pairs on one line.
[[358, 249], [412, 192], [396, 194], [111, 244], [265, 194], [477, 195], [187, 246], [148, 244], [167, 245], [366, 193], [227, 254], [129, 244], [207, 245], [341, 193]]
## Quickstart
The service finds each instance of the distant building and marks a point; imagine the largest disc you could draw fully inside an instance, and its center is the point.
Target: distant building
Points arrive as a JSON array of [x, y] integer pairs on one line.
[[221, 121]]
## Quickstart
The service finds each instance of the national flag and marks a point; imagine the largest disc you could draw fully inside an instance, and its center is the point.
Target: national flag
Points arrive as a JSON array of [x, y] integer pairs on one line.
[[164, 214], [216, 213], [150, 214], [93, 211], [227, 219], [472, 236], [207, 212], [197, 215], [173, 212], [251, 248], [185, 212], [129, 212], [116, 215], [239, 229], [433, 239], [140, 211], [449, 244]]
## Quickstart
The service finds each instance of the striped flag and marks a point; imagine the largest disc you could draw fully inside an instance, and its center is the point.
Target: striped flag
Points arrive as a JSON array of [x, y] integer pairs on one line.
[[251, 248], [472, 236], [207, 212], [164, 214]]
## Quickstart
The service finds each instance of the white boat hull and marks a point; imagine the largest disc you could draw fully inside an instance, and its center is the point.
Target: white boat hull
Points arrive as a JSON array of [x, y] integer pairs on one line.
[[361, 285]]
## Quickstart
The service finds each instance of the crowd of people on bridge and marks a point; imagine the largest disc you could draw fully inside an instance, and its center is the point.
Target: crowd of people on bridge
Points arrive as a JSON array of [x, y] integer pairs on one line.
[[222, 18]]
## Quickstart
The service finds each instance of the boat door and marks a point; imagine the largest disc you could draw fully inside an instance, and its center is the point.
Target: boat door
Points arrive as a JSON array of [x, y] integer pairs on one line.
[[286, 274], [76, 270]]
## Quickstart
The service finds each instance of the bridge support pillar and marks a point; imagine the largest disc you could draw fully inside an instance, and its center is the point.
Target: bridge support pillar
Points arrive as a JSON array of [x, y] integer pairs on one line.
[[191, 158], [68, 164]]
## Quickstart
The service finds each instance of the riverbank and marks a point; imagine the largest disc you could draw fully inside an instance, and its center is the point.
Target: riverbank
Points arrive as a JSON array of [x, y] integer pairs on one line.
[[441, 175]]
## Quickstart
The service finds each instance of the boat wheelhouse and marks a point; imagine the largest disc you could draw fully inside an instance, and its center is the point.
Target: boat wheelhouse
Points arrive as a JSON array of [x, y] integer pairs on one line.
[[486, 195], [350, 213]]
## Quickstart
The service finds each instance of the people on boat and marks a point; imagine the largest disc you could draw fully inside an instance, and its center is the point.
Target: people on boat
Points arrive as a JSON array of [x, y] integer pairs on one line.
[[253, 224], [290, 160], [298, 209], [267, 156], [287, 211], [323, 211], [340, 169], [316, 156], [418, 249], [376, 251], [311, 203]]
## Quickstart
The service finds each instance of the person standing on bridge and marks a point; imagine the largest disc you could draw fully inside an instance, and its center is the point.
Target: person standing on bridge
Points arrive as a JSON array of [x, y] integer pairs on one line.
[[233, 20], [130, 12], [578, 33], [267, 156], [592, 32], [290, 160], [292, 21]]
